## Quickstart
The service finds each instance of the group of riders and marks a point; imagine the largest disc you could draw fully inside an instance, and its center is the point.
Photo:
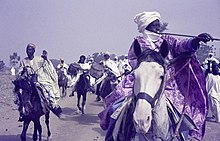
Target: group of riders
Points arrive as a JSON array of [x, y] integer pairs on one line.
[[127, 80], [48, 78]]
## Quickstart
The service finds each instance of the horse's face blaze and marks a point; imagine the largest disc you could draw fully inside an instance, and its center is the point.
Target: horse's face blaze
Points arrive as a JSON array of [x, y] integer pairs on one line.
[[148, 80]]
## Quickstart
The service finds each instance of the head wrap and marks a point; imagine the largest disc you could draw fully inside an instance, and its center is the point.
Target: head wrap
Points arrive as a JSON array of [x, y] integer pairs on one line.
[[144, 19], [210, 53], [106, 53], [31, 45]]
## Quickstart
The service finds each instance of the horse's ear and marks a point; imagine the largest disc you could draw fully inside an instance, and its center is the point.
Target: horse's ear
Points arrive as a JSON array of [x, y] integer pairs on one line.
[[15, 82], [137, 47]]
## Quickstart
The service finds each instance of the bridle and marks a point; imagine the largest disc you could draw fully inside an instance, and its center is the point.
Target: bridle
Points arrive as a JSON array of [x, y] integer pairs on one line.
[[149, 55]]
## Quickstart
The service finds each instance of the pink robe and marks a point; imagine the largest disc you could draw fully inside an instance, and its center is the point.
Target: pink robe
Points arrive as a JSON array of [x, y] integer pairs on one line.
[[196, 103]]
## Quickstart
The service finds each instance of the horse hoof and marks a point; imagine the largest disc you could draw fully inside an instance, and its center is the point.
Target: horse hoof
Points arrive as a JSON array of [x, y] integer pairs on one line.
[[77, 111], [49, 138], [79, 108], [62, 116]]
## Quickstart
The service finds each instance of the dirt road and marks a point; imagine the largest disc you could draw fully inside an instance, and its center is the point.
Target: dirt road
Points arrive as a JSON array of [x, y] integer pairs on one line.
[[75, 127]]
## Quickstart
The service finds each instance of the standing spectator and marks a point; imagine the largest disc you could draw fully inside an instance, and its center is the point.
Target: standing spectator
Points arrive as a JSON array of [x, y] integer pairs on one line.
[[13, 71], [213, 89]]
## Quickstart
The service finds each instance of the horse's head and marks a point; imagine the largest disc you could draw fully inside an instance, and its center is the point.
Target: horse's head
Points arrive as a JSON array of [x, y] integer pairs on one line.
[[149, 76], [29, 74]]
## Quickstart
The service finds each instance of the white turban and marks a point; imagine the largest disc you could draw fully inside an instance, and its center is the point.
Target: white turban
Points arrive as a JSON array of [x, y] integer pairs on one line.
[[144, 19]]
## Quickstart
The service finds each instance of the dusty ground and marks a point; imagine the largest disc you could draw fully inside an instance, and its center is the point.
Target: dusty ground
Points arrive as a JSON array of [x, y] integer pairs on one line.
[[75, 127]]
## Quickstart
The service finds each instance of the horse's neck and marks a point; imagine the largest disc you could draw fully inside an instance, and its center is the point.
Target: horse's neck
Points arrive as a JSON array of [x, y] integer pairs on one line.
[[161, 121]]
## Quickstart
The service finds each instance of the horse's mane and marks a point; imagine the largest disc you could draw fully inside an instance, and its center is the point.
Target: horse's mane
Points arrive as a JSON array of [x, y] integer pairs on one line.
[[150, 55]]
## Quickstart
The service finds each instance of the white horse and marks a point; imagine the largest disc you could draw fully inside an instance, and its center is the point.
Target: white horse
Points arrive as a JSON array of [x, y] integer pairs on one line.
[[151, 114], [154, 117]]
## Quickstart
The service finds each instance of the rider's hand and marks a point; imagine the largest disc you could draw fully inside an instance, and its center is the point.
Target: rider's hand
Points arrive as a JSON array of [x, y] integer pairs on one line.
[[205, 37]]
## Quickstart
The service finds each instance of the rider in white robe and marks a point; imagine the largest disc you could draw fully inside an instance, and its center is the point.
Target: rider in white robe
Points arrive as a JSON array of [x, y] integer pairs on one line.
[[47, 77]]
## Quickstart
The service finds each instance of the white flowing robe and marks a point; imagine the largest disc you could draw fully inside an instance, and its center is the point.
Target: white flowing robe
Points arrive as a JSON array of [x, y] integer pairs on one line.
[[213, 89], [47, 76]]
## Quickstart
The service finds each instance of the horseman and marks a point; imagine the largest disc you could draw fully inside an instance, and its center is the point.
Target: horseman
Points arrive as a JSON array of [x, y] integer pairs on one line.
[[81, 67], [83, 64], [111, 65], [47, 78], [62, 66], [191, 101]]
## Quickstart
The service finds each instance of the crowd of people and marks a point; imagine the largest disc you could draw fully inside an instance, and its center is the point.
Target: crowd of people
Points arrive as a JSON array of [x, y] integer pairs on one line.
[[48, 78]]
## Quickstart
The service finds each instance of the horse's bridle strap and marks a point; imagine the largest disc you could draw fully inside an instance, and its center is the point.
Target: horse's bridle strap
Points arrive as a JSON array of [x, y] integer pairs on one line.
[[147, 97]]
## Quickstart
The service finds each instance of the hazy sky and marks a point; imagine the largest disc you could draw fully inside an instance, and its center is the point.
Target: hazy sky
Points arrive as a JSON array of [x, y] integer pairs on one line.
[[69, 28]]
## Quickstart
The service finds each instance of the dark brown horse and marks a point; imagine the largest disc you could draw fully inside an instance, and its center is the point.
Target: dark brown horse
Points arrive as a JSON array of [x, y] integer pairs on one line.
[[107, 85], [62, 82], [82, 87], [31, 105]]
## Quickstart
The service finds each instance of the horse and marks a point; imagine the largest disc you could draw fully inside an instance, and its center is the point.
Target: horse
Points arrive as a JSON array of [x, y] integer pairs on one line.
[[147, 114], [31, 102], [107, 85], [62, 82], [82, 86]]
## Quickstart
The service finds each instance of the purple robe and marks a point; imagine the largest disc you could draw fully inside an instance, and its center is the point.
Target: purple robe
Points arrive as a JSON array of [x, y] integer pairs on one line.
[[195, 102]]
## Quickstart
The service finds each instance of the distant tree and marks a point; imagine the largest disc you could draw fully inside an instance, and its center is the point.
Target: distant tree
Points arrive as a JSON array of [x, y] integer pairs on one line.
[[163, 27], [14, 59], [2, 65]]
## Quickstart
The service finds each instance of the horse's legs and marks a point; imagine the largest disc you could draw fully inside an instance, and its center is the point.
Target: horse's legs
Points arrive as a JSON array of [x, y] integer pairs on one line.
[[37, 127], [83, 102], [25, 127], [78, 100], [35, 131], [64, 91], [98, 92], [47, 117]]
